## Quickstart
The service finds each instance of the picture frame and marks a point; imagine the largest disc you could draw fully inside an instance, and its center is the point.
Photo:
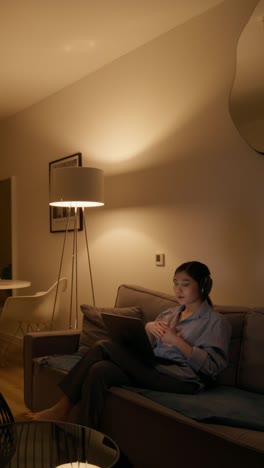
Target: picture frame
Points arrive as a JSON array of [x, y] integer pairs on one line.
[[59, 215]]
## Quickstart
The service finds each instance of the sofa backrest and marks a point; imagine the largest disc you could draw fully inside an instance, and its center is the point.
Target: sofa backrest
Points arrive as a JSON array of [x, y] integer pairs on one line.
[[237, 317], [251, 364], [246, 363], [150, 302]]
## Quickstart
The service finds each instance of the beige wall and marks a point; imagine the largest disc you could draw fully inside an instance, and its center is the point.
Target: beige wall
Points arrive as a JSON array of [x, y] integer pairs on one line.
[[179, 178]]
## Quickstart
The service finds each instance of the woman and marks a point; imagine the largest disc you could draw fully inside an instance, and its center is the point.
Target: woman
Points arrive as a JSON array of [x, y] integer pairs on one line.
[[190, 343]]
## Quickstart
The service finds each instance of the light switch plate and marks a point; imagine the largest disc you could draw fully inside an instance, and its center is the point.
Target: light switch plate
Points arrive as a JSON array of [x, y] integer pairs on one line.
[[160, 259]]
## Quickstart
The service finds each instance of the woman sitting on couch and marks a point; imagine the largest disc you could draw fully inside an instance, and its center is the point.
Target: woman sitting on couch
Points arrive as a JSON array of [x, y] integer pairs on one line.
[[190, 343]]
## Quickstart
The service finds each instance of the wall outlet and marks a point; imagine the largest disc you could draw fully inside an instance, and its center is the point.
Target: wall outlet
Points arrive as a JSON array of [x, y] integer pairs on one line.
[[160, 259]]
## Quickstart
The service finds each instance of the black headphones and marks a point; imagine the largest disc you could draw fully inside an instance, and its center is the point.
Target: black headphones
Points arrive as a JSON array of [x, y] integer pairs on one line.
[[205, 286]]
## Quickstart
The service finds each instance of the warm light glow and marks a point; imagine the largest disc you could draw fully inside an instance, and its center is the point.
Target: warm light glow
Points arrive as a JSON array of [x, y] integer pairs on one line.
[[78, 465], [76, 204]]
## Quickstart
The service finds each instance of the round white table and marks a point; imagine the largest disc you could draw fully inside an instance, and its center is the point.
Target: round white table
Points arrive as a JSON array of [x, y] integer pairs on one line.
[[53, 443], [14, 284]]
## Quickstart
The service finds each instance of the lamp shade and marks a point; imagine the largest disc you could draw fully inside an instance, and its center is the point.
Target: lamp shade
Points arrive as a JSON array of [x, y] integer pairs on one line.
[[76, 187]]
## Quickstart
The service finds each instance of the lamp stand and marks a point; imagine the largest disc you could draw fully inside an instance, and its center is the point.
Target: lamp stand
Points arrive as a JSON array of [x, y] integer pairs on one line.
[[74, 267]]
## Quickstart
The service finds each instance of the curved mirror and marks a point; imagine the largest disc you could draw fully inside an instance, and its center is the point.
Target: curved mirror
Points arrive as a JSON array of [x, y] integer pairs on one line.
[[247, 95]]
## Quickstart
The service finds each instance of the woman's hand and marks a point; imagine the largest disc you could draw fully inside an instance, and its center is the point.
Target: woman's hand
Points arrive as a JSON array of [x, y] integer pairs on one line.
[[157, 328], [170, 337], [161, 330]]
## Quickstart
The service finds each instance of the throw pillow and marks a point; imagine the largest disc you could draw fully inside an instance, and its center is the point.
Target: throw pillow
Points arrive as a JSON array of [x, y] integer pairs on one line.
[[94, 328]]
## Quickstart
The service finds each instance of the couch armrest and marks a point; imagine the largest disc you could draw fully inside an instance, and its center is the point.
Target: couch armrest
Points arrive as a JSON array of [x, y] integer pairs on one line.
[[39, 344]]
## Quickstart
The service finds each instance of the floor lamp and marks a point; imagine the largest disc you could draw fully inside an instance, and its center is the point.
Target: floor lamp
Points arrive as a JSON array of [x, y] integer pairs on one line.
[[76, 188]]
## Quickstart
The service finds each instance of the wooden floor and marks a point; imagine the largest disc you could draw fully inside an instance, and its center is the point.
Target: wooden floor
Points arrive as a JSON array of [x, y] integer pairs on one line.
[[12, 381]]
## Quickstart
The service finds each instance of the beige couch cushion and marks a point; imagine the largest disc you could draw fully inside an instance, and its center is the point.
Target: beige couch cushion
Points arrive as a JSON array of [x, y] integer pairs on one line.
[[236, 316], [94, 328], [150, 302], [251, 375]]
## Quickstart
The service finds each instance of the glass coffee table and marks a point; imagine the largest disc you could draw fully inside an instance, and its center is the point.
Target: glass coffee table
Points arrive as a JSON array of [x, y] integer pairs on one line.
[[48, 444]]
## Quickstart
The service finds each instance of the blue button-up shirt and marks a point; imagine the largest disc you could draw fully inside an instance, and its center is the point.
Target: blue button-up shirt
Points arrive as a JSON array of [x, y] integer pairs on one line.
[[209, 335]]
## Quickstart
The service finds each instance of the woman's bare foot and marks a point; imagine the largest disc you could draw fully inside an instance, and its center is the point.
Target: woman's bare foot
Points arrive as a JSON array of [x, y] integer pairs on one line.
[[45, 415], [57, 412]]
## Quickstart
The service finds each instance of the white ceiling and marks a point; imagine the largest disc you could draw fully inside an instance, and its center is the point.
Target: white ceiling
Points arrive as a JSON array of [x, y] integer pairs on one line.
[[46, 45]]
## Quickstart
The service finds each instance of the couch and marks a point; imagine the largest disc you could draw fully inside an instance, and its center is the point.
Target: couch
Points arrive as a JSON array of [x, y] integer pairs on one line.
[[164, 430]]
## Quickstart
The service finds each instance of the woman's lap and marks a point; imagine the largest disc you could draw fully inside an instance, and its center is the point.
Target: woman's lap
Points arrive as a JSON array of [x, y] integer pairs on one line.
[[138, 372]]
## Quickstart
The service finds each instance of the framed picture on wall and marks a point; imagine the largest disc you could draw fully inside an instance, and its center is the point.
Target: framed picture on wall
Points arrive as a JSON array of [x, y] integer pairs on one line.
[[59, 215]]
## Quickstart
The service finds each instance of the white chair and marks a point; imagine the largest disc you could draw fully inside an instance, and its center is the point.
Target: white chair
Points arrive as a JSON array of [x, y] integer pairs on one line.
[[36, 310]]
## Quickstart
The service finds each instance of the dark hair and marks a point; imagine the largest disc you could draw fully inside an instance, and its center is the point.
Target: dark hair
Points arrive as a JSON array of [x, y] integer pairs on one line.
[[200, 273]]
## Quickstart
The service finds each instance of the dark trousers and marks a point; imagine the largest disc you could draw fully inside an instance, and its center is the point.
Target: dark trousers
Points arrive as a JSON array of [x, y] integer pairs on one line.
[[109, 364]]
